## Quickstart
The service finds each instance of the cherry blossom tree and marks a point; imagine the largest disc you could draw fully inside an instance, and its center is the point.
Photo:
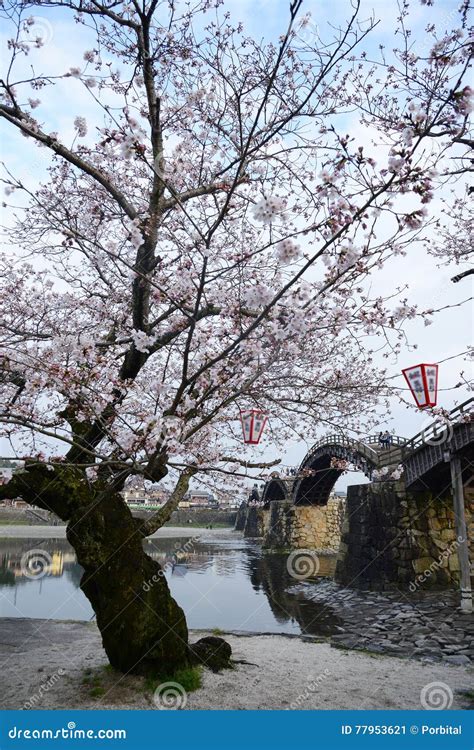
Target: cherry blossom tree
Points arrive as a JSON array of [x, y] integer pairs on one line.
[[455, 224], [202, 242], [456, 235]]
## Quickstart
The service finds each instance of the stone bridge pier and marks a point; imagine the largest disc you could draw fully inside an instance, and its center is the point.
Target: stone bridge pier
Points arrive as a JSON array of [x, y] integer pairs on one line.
[[403, 529], [288, 526], [394, 537]]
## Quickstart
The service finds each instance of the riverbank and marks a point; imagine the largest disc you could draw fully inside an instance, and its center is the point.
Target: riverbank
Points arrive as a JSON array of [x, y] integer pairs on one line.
[[202, 517], [48, 664], [59, 532]]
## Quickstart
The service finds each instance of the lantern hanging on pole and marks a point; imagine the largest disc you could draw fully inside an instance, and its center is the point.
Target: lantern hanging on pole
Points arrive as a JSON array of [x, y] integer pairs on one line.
[[423, 382], [253, 424]]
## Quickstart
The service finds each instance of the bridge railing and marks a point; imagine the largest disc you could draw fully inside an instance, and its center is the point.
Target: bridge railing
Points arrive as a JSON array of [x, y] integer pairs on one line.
[[394, 440], [370, 440], [343, 440], [385, 453], [431, 434]]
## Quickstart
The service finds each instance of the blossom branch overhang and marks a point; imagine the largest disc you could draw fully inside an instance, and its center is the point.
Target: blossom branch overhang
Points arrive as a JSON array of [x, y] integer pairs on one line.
[[19, 120], [247, 151], [330, 64], [267, 308], [250, 464], [213, 470]]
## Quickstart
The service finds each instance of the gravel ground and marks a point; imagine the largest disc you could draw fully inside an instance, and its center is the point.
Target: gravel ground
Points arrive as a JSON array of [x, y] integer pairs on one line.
[[56, 665]]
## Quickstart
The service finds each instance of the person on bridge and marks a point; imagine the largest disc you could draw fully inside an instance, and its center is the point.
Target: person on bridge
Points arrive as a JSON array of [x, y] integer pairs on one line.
[[385, 439], [254, 497]]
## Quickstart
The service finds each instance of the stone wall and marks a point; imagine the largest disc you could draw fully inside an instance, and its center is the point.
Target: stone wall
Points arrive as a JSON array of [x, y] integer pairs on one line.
[[287, 526], [393, 538], [253, 525], [240, 518], [28, 517], [200, 516]]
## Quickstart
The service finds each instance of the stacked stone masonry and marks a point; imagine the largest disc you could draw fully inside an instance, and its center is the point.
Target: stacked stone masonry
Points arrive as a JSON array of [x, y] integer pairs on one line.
[[394, 538], [386, 536], [287, 526]]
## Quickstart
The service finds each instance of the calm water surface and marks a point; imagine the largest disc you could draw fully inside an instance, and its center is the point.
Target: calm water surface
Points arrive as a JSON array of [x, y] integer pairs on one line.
[[221, 582]]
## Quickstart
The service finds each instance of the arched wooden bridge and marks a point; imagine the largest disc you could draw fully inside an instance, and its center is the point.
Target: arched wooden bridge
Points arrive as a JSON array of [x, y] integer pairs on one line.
[[420, 456]]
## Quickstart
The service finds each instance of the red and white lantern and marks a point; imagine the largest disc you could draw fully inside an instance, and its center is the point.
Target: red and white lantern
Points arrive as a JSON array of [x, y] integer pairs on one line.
[[253, 424], [423, 382]]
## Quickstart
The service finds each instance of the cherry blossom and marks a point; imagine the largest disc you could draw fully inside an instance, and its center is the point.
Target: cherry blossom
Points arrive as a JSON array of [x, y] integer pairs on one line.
[[287, 251], [207, 238], [268, 209], [80, 125]]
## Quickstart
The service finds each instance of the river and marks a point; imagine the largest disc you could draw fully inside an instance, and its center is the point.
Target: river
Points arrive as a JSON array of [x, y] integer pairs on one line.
[[221, 580]]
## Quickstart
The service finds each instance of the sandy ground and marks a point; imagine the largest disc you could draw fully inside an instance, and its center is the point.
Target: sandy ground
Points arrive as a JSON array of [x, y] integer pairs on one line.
[[55, 664], [59, 532]]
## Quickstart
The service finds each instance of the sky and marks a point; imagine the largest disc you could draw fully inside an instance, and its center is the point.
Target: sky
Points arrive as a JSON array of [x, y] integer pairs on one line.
[[429, 284]]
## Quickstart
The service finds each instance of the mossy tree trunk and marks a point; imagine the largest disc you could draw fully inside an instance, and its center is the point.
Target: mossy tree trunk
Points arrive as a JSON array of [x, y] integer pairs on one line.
[[143, 629]]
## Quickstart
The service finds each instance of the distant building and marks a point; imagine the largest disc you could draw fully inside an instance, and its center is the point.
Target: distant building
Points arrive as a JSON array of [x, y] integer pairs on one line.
[[200, 499], [229, 499], [146, 497]]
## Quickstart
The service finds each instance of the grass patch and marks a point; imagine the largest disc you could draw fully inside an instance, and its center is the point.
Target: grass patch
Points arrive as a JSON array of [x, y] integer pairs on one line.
[[364, 651], [468, 696], [92, 679], [97, 692], [189, 678], [217, 631]]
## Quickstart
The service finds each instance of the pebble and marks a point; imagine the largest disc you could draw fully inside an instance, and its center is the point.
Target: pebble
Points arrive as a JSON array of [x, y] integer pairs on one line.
[[459, 659], [419, 626]]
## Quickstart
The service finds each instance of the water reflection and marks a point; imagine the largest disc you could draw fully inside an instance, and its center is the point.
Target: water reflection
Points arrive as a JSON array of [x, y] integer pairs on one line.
[[221, 582]]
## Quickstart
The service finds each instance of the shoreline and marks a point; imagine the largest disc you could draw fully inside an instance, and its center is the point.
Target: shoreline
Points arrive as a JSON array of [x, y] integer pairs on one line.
[[51, 664], [59, 532]]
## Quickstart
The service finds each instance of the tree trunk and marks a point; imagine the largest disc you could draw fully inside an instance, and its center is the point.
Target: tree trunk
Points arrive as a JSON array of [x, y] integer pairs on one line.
[[143, 629]]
